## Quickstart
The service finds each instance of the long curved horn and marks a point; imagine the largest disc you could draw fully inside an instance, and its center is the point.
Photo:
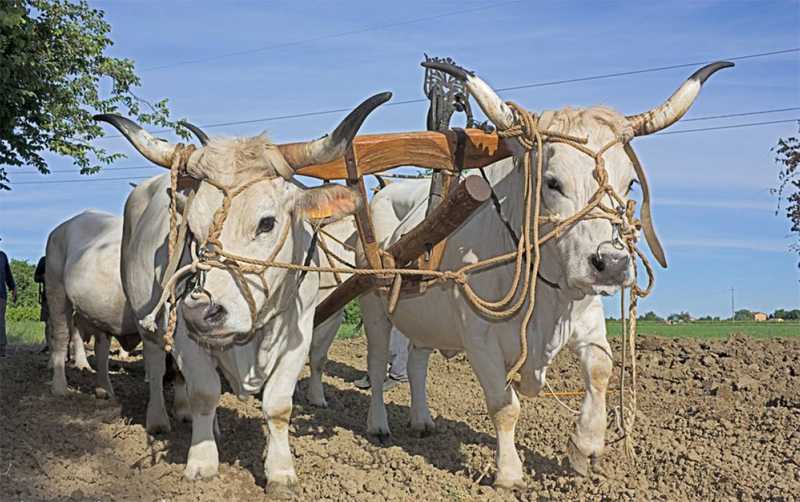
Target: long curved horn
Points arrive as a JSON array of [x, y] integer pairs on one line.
[[677, 105], [201, 136], [331, 147], [157, 151], [491, 104]]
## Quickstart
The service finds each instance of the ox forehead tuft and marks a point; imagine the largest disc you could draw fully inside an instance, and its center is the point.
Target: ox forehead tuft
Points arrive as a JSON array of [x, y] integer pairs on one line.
[[231, 161], [591, 121]]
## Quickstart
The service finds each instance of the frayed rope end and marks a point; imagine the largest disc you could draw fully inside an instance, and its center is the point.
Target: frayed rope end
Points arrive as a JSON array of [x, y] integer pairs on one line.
[[149, 323]]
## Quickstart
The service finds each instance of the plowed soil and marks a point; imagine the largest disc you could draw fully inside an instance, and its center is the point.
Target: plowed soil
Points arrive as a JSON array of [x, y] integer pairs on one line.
[[717, 420]]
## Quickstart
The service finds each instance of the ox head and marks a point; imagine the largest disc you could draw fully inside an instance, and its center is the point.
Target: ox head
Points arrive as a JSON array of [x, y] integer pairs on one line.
[[270, 210], [585, 252]]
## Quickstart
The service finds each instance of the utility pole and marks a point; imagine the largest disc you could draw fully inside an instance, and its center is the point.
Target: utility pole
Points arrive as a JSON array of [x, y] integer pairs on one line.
[[733, 304]]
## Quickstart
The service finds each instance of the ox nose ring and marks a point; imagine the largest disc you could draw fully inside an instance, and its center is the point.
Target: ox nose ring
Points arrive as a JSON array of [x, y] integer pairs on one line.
[[615, 243]]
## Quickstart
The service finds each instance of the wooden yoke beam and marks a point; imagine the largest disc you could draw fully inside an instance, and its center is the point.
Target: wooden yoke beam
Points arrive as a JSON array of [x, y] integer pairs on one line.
[[467, 197], [430, 149], [363, 217]]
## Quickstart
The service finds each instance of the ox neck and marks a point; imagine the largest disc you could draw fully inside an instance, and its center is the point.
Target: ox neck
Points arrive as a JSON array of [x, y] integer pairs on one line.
[[506, 179]]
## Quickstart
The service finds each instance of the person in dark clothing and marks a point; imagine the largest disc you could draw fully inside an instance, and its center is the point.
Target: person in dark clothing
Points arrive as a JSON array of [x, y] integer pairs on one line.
[[398, 359], [38, 277], [6, 279]]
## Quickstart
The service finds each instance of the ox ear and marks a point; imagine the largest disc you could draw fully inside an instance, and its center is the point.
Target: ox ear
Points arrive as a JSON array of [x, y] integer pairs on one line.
[[186, 185], [327, 203]]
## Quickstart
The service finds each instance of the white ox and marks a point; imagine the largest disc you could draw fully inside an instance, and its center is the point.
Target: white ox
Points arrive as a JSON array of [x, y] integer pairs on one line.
[[84, 291], [571, 315], [215, 328]]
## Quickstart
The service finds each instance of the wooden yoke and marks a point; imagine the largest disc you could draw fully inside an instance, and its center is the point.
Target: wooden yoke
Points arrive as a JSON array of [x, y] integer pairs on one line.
[[441, 183], [366, 231], [447, 150], [430, 149], [448, 216]]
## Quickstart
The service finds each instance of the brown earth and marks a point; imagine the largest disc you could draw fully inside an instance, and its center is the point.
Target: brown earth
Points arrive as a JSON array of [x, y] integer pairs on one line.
[[718, 420]]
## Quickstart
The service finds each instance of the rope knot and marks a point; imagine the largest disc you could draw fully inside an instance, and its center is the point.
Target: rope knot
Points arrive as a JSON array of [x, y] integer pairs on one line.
[[180, 157]]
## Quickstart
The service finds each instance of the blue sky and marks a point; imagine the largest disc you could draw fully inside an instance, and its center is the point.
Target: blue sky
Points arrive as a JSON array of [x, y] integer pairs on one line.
[[711, 201]]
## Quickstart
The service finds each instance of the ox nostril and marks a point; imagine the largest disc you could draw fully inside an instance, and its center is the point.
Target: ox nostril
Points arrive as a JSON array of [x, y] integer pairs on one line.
[[215, 313], [598, 262]]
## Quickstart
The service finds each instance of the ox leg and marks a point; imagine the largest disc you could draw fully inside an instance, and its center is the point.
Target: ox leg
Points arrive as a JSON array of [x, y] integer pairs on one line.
[[204, 389], [155, 359], [181, 405], [486, 358], [420, 419], [49, 340], [320, 344], [378, 328], [585, 446], [58, 322], [79, 351], [277, 408], [102, 345]]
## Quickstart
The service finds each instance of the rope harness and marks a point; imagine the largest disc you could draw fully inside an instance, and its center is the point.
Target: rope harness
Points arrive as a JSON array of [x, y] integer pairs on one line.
[[526, 257]]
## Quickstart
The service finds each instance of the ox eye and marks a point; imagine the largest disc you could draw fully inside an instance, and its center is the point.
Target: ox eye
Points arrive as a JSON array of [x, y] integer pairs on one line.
[[265, 225], [553, 184], [632, 184]]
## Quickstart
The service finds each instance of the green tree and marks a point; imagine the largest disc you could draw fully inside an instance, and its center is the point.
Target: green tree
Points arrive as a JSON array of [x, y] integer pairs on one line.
[[53, 64], [650, 316], [742, 315], [683, 316], [352, 313], [788, 157], [27, 290]]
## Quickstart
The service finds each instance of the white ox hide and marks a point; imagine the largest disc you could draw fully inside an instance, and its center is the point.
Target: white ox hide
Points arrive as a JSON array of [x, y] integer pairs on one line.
[[84, 291], [215, 328], [570, 316], [324, 334]]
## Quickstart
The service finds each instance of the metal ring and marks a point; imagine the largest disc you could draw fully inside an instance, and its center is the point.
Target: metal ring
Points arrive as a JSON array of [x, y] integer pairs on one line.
[[615, 243]]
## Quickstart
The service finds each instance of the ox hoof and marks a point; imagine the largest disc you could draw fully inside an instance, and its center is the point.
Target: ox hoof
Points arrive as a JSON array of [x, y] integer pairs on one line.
[[582, 464], [101, 393], [59, 391], [508, 483], [282, 491], [158, 424], [381, 438], [183, 414], [195, 471], [319, 402], [83, 366], [422, 428]]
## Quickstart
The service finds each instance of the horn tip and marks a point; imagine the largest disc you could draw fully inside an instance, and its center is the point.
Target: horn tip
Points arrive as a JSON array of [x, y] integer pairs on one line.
[[454, 70], [705, 72]]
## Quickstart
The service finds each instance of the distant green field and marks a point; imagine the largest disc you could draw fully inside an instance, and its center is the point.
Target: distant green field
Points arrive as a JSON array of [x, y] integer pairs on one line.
[[25, 332], [721, 329], [33, 332]]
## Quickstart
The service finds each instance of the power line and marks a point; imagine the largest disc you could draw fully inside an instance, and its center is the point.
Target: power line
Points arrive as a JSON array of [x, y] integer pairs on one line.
[[126, 168], [762, 112], [80, 181], [500, 89], [647, 70], [329, 37], [752, 124], [711, 117]]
